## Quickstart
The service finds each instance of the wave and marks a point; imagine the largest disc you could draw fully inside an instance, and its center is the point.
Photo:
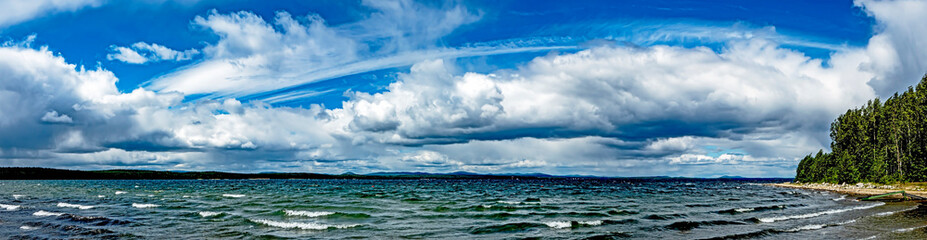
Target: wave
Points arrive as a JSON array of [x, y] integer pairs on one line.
[[120, 192], [306, 213], [893, 212], [144, 205], [17, 196], [233, 195], [621, 212], [95, 220], [101, 196], [300, 225], [842, 197], [573, 224], [209, 214], [78, 206], [74, 230], [752, 209], [532, 202], [689, 225], [749, 235], [664, 216], [42, 213], [9, 207], [907, 229], [818, 226], [507, 228], [815, 214], [27, 228]]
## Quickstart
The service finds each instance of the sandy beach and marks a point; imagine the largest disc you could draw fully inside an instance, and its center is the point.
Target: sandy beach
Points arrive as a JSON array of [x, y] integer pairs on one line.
[[861, 189]]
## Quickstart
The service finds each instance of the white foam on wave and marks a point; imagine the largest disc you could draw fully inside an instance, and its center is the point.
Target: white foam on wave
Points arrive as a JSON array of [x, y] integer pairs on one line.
[[101, 196], [17, 196], [567, 224], [842, 197], [233, 195], [307, 213], [808, 227], [120, 192], [517, 202], [558, 224], [300, 225], [42, 213], [744, 209], [811, 215], [893, 212], [9, 207], [78, 206], [144, 205], [907, 229], [24, 227], [209, 214], [819, 226]]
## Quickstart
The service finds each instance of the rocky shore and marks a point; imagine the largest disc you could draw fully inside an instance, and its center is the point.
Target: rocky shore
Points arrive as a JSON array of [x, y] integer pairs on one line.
[[860, 189]]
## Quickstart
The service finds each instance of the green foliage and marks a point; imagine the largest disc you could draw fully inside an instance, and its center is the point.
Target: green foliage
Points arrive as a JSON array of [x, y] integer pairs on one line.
[[883, 142]]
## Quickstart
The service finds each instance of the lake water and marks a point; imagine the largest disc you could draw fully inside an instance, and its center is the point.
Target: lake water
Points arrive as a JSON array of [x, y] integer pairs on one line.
[[443, 209]]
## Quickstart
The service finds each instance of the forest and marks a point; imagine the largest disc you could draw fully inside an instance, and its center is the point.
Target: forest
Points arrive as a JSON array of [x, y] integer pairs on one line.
[[880, 142]]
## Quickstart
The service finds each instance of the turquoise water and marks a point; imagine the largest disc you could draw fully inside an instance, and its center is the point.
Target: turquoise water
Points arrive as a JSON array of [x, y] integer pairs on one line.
[[450, 209]]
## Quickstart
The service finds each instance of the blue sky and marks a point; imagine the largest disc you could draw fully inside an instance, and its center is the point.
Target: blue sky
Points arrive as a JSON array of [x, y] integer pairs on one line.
[[610, 88]]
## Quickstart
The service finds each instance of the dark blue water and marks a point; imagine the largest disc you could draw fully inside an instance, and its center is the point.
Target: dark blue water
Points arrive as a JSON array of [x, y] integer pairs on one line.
[[451, 209]]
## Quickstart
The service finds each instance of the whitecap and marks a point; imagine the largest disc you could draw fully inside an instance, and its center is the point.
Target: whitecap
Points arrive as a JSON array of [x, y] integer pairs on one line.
[[209, 214], [558, 224], [24, 227], [811, 215], [591, 223], [807, 227], [120, 192], [893, 212], [44, 213], [842, 197], [819, 226], [300, 225], [907, 229], [17, 196], [567, 224], [144, 205], [744, 209], [9, 207], [101, 196], [509, 202], [233, 195], [307, 213], [78, 206]]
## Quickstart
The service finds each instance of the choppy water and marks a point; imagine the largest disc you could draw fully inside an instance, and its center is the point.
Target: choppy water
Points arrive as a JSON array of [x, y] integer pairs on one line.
[[450, 209]]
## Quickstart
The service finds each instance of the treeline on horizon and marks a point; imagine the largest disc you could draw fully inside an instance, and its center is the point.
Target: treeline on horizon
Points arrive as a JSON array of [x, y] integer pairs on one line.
[[883, 142], [35, 173]]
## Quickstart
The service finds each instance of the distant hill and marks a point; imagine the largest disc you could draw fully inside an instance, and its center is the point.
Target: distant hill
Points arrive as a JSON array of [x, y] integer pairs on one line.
[[19, 173]]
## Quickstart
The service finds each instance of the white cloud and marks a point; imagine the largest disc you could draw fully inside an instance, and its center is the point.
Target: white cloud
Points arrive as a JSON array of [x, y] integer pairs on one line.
[[141, 53], [256, 56], [16, 11], [751, 108], [55, 117]]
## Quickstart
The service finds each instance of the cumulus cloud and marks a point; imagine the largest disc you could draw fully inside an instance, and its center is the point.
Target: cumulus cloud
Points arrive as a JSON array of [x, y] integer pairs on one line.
[[898, 51], [15, 11], [142, 52], [751, 108], [288, 51]]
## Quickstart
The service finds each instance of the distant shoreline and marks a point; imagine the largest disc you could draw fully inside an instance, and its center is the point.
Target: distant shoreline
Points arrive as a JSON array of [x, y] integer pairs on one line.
[[34, 173], [861, 189]]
